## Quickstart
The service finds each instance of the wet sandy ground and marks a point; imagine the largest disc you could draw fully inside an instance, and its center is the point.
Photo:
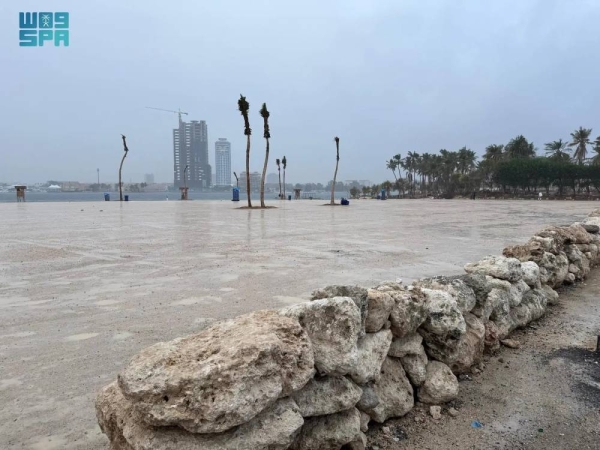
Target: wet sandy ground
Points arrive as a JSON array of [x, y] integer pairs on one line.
[[84, 286]]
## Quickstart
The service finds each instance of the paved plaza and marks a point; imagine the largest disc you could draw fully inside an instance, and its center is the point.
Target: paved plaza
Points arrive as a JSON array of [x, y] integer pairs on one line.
[[85, 286]]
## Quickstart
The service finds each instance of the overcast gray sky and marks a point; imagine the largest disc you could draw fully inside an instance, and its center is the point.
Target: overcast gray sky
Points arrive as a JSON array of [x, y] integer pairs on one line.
[[385, 76]]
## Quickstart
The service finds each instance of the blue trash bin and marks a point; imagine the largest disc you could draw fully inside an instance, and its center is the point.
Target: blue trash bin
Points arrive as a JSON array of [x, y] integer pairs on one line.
[[127, 198], [289, 197], [383, 194], [236, 194], [106, 197]]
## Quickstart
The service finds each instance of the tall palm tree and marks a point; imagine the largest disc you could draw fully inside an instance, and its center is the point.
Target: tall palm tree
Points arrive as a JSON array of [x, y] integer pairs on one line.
[[392, 165], [267, 135], [596, 148], [581, 139], [558, 150], [466, 160], [125, 150], [494, 153], [337, 162], [284, 164], [519, 147], [244, 107], [278, 162]]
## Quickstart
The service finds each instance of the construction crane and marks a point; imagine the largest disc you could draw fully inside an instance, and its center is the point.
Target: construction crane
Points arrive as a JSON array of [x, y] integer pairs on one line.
[[179, 112]]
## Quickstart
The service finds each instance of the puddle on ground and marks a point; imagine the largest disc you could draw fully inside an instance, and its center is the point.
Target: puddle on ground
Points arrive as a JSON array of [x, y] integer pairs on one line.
[[195, 300], [122, 335], [19, 334], [9, 382], [288, 300], [81, 337], [106, 302], [49, 443]]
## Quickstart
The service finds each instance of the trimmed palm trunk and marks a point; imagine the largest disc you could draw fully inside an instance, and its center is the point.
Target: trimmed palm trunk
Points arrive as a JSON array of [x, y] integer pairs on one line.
[[244, 106], [284, 164], [267, 135], [125, 149], [278, 162], [337, 162]]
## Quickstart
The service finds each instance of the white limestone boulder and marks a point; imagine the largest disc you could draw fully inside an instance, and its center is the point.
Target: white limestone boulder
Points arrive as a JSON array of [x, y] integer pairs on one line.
[[333, 326], [221, 377]]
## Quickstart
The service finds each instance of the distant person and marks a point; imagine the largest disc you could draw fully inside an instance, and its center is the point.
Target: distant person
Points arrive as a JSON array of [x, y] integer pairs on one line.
[[540, 195]]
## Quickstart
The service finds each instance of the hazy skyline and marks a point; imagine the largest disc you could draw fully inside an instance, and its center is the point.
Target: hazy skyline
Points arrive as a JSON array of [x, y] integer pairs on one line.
[[386, 77]]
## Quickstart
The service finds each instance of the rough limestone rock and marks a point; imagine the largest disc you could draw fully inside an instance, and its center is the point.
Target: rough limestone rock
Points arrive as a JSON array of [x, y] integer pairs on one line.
[[556, 268], [330, 432], [333, 327], [531, 251], [569, 279], [531, 273], [445, 322], [364, 422], [498, 267], [356, 293], [550, 294], [221, 377], [480, 285], [327, 395], [440, 386], [516, 292], [415, 366], [379, 307], [505, 323], [388, 286], [469, 350], [574, 234], [594, 229], [455, 286], [492, 338], [368, 399], [531, 308], [579, 263], [361, 444], [394, 392], [372, 351], [498, 296], [410, 344], [275, 428], [547, 244], [409, 312]]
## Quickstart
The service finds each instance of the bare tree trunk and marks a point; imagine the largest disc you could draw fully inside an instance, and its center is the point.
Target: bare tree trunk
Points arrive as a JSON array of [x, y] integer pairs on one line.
[[125, 149], [248, 170], [264, 174], [333, 185], [279, 170], [337, 161], [284, 184]]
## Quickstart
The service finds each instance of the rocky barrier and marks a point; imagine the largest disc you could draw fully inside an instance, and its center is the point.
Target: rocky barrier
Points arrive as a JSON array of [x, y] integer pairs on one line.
[[314, 375]]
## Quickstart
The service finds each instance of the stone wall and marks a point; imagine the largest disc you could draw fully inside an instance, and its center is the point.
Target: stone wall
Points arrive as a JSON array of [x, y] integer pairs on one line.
[[314, 375]]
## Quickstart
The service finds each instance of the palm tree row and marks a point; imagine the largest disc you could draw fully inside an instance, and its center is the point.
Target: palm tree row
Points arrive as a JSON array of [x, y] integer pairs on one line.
[[449, 171]]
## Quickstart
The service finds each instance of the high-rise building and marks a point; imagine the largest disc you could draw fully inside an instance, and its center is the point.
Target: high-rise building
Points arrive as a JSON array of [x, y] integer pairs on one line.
[[272, 178], [255, 178], [149, 178], [190, 148], [223, 162]]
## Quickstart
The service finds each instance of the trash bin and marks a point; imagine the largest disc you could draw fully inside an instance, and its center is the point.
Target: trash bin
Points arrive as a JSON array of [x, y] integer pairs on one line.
[[106, 197], [127, 198], [236, 194], [383, 195], [345, 202], [289, 197]]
